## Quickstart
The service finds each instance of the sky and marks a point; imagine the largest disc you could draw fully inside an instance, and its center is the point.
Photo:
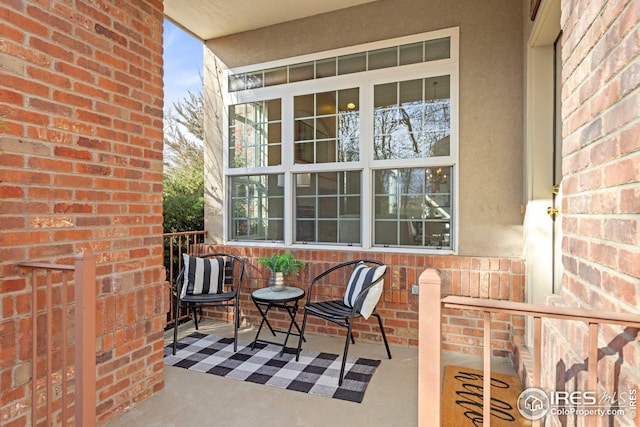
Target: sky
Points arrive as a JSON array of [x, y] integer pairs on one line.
[[182, 64]]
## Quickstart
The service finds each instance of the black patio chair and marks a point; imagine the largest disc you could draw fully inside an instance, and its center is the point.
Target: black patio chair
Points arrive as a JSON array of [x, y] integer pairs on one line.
[[361, 297], [211, 280]]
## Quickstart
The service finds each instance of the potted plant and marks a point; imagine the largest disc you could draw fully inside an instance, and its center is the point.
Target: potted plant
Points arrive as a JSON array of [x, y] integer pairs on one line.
[[280, 266]]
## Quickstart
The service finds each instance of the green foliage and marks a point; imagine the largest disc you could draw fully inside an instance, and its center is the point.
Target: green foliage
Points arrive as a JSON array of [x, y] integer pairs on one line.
[[183, 181], [285, 264]]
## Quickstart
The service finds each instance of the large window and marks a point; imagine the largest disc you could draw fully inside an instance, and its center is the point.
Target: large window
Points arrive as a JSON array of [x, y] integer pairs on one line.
[[358, 149]]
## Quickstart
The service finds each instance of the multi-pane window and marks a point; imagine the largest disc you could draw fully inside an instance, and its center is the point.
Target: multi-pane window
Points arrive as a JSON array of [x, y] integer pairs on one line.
[[413, 207], [257, 207], [357, 149], [328, 207], [327, 127], [412, 119], [255, 134]]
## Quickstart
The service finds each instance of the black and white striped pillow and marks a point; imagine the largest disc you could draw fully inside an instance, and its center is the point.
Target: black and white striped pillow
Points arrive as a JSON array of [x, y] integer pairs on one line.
[[203, 276], [362, 277]]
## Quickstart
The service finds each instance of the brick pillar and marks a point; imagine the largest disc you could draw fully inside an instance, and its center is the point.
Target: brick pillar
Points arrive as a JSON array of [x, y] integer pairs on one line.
[[601, 190], [81, 103]]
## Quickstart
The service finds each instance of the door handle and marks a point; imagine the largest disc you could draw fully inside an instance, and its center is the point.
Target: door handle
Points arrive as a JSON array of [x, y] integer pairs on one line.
[[553, 212]]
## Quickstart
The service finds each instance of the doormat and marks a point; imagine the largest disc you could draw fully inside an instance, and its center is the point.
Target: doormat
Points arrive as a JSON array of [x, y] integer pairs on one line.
[[462, 399], [315, 373]]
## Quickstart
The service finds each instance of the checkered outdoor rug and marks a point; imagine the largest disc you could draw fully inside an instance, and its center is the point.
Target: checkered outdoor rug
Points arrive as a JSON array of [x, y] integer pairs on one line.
[[315, 372]]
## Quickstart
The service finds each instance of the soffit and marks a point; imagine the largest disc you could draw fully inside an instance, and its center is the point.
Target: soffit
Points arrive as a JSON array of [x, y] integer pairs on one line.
[[208, 19]]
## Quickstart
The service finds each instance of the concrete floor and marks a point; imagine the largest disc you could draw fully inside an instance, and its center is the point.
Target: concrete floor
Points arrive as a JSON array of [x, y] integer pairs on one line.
[[195, 399]]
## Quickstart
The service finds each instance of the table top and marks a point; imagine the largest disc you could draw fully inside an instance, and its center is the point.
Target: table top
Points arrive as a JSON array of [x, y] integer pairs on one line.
[[289, 293]]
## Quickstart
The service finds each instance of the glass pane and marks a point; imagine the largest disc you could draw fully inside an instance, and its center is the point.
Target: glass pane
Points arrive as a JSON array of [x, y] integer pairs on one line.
[[236, 83], [411, 53], [257, 208], [328, 231], [275, 76], [306, 207], [410, 92], [418, 125], [275, 155], [349, 205], [274, 110], [385, 95], [300, 72], [325, 103], [303, 106], [320, 207], [437, 49], [386, 233], [304, 152], [274, 133], [348, 100], [349, 231], [352, 63], [326, 68], [305, 231], [327, 183], [328, 207], [414, 199], [326, 127], [350, 182], [326, 151], [253, 80], [383, 58], [438, 234]]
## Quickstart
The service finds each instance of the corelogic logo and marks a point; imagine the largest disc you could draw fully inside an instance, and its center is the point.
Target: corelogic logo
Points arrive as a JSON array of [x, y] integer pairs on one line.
[[533, 403]]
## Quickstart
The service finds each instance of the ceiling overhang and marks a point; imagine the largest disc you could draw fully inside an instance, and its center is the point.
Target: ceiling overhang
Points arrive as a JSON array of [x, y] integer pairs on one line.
[[209, 19]]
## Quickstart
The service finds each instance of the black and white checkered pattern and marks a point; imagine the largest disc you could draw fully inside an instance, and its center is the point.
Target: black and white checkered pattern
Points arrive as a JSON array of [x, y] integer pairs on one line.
[[315, 372]]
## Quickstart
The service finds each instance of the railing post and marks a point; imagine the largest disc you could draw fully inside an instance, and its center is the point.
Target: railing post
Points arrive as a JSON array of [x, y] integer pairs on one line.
[[85, 330], [429, 349]]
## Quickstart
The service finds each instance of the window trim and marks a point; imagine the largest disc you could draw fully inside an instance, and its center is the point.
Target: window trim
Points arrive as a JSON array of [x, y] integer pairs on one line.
[[365, 81]]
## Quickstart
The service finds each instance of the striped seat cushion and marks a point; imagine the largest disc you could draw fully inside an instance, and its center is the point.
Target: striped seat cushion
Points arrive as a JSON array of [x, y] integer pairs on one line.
[[362, 277], [203, 276]]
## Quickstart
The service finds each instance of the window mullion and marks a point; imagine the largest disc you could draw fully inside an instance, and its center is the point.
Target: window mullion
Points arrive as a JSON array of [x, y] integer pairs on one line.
[[366, 157], [287, 162]]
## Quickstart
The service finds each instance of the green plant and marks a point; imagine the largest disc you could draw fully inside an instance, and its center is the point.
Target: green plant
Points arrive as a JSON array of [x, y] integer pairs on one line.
[[285, 264]]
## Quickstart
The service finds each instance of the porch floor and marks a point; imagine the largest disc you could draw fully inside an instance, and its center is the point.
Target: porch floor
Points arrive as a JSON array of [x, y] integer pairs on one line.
[[195, 399]]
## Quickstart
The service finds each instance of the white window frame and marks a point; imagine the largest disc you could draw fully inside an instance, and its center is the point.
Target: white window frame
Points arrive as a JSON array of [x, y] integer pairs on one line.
[[365, 81]]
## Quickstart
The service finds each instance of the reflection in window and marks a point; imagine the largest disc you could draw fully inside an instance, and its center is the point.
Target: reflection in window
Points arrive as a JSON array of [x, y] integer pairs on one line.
[[413, 207], [255, 135], [412, 119], [327, 127], [328, 207], [257, 207]]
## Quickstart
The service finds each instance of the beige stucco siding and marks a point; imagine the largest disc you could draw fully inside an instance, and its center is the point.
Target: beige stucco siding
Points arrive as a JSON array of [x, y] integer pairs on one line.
[[491, 107]]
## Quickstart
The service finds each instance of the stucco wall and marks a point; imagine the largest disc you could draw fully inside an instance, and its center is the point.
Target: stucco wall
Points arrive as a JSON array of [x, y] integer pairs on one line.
[[491, 146]]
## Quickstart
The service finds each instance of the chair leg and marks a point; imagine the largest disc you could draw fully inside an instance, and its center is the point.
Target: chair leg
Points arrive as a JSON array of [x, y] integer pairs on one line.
[[301, 337], [175, 326], [236, 324], [344, 355], [195, 315], [346, 321], [384, 336]]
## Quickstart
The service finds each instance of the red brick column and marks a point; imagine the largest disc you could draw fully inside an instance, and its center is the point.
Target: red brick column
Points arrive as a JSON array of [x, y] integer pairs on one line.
[[81, 169], [601, 190]]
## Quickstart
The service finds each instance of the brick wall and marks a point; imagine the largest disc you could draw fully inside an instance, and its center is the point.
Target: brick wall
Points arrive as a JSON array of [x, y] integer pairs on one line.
[[497, 278], [601, 188], [81, 169]]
